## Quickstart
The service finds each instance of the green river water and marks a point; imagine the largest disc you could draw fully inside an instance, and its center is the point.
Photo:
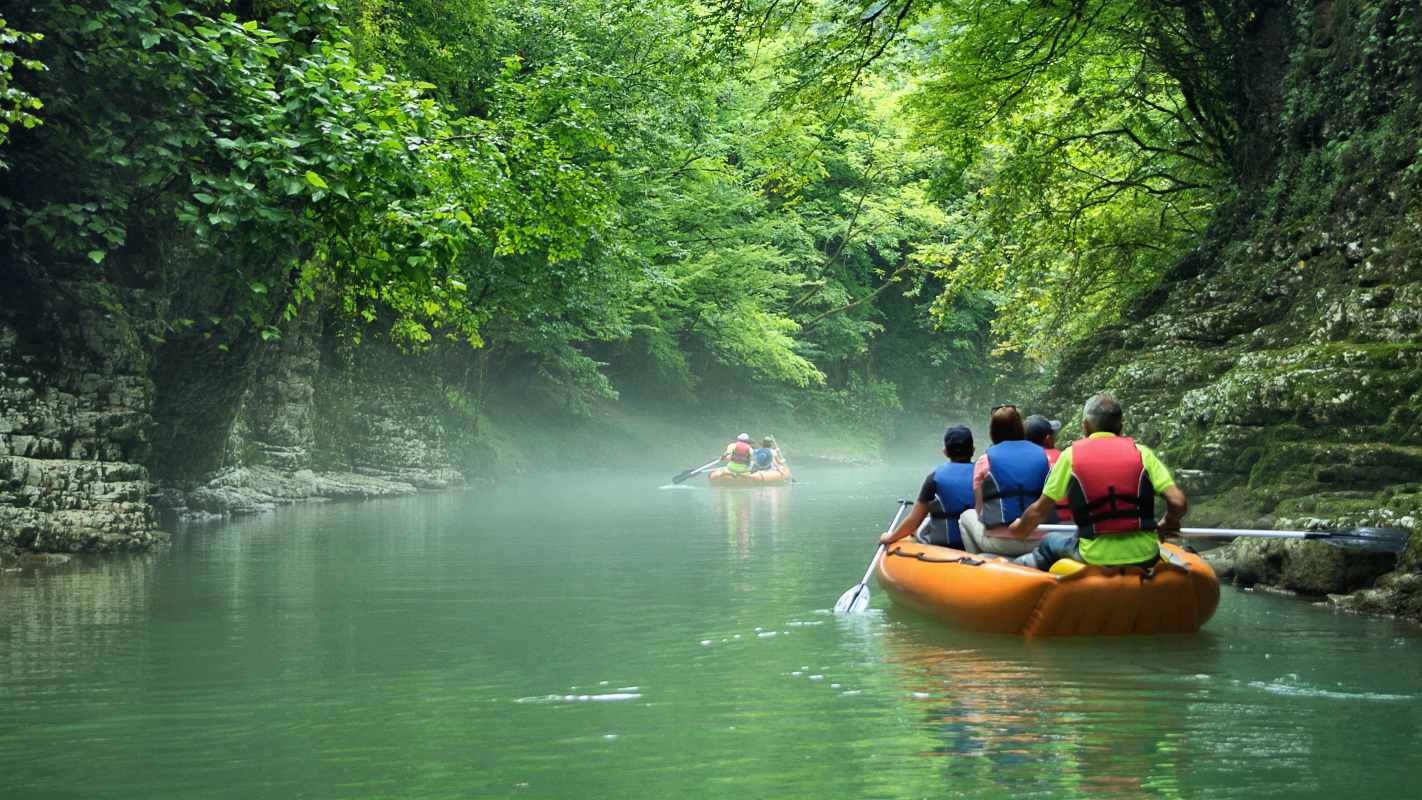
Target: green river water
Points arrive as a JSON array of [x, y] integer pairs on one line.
[[590, 636]]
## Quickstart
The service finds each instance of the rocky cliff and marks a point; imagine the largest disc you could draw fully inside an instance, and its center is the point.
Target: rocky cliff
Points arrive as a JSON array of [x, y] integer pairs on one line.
[[109, 417], [75, 422], [1280, 366]]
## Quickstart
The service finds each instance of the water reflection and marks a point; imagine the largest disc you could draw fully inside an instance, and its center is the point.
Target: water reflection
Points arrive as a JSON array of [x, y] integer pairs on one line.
[[750, 514], [1056, 715], [83, 611]]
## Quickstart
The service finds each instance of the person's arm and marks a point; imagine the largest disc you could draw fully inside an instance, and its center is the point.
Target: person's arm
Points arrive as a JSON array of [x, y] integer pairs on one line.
[[980, 471], [908, 526], [1177, 505], [927, 493], [1053, 491], [1035, 515]]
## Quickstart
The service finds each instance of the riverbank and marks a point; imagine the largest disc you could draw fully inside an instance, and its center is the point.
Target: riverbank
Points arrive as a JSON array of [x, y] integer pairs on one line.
[[105, 432]]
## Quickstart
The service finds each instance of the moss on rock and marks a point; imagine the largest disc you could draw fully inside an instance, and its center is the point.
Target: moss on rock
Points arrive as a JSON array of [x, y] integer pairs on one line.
[[1278, 369]]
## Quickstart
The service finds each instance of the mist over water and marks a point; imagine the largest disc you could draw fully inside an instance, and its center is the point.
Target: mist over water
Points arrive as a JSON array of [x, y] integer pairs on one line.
[[586, 634]]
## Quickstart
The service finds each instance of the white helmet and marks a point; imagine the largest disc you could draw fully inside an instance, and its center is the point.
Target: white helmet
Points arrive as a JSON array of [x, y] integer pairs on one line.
[[745, 437]]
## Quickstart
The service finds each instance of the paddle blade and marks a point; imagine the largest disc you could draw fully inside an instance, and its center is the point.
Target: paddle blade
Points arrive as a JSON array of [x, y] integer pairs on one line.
[[861, 602], [695, 471], [853, 601], [1374, 540]]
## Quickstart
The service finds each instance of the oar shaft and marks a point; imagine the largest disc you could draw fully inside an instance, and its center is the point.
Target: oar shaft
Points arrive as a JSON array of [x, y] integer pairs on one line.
[[898, 515], [872, 563], [1215, 533], [689, 473]]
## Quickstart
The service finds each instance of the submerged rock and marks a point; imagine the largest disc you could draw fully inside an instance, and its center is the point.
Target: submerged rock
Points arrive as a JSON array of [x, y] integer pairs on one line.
[[1397, 594], [1311, 568]]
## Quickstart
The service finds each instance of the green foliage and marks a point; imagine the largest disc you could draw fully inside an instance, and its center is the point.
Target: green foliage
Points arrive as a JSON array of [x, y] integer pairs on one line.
[[893, 201], [303, 172], [1076, 148], [1072, 183], [17, 107]]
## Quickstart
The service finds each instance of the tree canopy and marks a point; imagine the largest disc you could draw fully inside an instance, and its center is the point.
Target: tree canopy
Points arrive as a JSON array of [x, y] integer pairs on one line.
[[881, 198]]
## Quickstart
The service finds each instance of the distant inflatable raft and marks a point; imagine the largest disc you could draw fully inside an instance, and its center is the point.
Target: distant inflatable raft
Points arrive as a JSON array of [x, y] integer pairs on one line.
[[993, 595], [725, 477]]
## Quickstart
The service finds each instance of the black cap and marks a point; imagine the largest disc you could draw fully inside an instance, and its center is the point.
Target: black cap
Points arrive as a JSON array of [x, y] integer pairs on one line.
[[957, 438], [1038, 427]]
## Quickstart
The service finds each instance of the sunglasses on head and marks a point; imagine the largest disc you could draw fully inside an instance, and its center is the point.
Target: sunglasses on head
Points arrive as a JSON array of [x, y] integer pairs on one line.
[[998, 408]]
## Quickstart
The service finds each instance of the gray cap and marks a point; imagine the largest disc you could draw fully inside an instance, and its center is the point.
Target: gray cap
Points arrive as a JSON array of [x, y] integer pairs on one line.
[[1038, 427]]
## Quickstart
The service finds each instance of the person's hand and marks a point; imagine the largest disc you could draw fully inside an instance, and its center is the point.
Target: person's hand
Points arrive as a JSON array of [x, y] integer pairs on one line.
[[1168, 527], [888, 538], [1016, 528]]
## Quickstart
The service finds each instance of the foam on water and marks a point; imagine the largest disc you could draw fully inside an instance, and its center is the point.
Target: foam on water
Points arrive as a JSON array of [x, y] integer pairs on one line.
[[1290, 686], [610, 697]]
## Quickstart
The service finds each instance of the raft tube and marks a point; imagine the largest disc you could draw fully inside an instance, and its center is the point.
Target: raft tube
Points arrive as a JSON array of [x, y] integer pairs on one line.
[[725, 477], [991, 594]]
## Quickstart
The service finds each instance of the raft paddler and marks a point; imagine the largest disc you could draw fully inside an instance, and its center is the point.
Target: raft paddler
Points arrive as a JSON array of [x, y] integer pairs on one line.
[[738, 455], [1111, 483], [1006, 480], [1043, 433], [767, 456], [946, 493]]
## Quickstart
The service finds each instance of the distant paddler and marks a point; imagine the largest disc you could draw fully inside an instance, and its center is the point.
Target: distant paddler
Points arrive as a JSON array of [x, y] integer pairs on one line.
[[737, 457], [736, 460], [767, 456]]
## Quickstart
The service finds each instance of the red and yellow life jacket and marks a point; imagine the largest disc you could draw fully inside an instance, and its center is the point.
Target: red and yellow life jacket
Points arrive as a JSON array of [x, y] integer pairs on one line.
[[1110, 490], [739, 453]]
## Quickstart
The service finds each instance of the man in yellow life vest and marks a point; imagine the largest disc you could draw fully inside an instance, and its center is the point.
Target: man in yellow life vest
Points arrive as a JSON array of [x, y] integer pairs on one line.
[[738, 455], [1111, 483]]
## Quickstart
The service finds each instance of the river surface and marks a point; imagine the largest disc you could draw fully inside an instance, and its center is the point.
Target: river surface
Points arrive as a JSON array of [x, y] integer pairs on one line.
[[590, 636]]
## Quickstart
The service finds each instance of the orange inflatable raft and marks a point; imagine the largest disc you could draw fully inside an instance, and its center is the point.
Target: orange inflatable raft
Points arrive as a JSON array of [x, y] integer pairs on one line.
[[725, 477], [991, 594]]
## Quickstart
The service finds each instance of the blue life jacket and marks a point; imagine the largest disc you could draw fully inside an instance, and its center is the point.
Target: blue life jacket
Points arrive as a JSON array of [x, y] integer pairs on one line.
[[955, 494], [1017, 470], [762, 458]]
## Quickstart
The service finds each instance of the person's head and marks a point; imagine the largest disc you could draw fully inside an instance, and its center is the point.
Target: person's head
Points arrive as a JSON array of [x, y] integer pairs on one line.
[[1006, 424], [745, 437], [1042, 431], [1102, 413], [768, 441], [958, 443]]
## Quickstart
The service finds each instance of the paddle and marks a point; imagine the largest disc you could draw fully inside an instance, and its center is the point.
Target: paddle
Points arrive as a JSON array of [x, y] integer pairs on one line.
[[856, 598], [1373, 540], [683, 476]]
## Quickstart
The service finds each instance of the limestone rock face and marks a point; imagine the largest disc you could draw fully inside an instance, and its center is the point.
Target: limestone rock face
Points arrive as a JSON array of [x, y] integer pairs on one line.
[[1279, 368], [75, 403], [108, 416], [322, 421]]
